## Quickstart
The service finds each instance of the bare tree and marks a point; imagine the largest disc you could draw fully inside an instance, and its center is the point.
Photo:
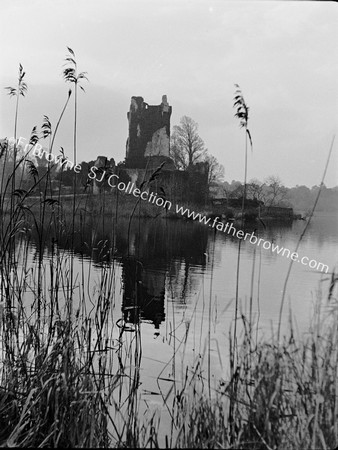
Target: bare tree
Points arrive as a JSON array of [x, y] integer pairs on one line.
[[216, 170], [176, 153], [235, 190], [276, 192], [256, 190], [186, 147]]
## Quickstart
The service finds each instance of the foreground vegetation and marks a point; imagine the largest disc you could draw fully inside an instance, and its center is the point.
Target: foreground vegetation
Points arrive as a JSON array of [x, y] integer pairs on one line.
[[70, 374], [281, 396], [70, 365]]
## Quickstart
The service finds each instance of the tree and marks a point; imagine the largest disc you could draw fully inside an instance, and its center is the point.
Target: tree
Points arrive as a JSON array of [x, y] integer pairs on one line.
[[276, 192], [216, 170], [256, 190], [233, 190], [176, 153], [186, 146], [237, 192]]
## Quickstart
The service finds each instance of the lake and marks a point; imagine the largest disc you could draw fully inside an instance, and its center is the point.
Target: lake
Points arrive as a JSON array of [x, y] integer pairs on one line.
[[177, 279], [174, 283]]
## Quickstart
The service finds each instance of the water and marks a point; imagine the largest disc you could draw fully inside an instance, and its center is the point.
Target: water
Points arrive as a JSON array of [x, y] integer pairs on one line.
[[169, 265], [178, 280]]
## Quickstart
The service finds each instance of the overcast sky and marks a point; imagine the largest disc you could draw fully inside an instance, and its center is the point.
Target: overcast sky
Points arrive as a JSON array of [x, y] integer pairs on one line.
[[284, 55]]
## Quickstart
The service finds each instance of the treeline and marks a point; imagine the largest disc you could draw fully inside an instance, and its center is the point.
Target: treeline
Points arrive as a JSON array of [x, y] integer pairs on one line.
[[303, 198], [272, 192]]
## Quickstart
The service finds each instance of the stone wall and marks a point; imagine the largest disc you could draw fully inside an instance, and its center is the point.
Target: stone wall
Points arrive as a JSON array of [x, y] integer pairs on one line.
[[176, 185]]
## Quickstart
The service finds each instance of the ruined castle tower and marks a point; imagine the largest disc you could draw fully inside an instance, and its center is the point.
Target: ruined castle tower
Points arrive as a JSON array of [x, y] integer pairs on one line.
[[149, 132]]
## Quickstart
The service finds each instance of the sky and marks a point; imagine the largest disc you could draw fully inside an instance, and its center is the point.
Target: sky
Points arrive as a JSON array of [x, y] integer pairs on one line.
[[284, 56]]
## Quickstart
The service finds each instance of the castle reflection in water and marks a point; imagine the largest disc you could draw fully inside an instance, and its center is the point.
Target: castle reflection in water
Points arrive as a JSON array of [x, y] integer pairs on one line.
[[155, 256], [155, 260]]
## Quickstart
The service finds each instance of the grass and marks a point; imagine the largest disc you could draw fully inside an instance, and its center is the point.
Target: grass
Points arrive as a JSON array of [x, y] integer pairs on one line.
[[70, 367]]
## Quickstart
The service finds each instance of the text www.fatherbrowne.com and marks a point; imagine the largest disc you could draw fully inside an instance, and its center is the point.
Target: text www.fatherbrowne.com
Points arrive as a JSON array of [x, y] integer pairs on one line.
[[150, 197], [229, 228]]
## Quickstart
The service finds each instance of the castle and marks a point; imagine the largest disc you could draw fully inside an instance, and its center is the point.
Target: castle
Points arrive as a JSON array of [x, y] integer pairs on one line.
[[148, 147]]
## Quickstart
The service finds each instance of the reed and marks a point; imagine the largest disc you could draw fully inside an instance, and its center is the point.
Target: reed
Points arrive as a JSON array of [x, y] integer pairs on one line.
[[242, 113], [57, 376], [282, 395], [70, 365]]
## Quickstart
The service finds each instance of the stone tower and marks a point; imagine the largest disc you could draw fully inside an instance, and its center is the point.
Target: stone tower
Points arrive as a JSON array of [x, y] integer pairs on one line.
[[149, 132]]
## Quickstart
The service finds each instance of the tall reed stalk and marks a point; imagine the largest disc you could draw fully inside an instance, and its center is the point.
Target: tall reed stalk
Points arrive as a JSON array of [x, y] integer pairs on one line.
[[71, 75], [71, 377], [17, 92], [53, 368], [242, 113], [301, 237]]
